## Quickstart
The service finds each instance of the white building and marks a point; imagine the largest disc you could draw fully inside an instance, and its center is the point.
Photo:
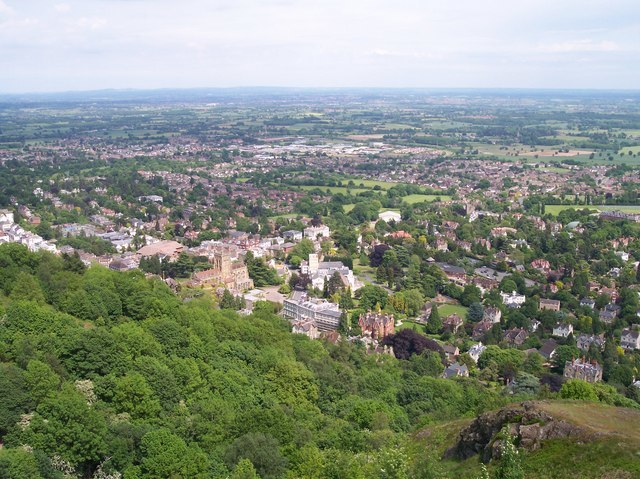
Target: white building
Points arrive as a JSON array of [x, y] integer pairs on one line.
[[292, 235], [321, 271], [513, 299], [324, 314], [476, 350], [630, 339], [562, 330], [388, 216], [314, 232]]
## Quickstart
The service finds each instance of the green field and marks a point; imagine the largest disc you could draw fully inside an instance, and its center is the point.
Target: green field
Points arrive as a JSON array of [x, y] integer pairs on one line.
[[348, 207], [632, 149], [336, 189], [449, 309], [412, 199], [370, 184], [406, 324], [556, 209], [555, 169]]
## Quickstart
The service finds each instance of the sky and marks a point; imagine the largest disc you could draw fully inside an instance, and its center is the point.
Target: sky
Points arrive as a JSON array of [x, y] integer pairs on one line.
[[48, 46]]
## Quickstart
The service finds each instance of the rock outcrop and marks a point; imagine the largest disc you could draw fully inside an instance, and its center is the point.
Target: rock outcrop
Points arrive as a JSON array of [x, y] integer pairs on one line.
[[528, 424]]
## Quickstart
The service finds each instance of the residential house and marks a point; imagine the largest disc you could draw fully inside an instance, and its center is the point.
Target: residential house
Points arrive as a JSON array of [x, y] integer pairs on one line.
[[454, 273], [562, 330], [451, 351], [442, 244], [292, 235], [541, 264], [609, 313], [516, 336], [481, 328], [476, 350], [548, 349], [584, 341], [452, 323], [584, 370], [630, 339], [456, 370], [588, 303], [306, 327], [492, 314], [550, 304]]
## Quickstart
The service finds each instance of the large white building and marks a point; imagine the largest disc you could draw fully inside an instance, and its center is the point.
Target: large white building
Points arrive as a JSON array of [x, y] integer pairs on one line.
[[321, 271], [324, 314], [314, 232], [513, 299], [388, 216]]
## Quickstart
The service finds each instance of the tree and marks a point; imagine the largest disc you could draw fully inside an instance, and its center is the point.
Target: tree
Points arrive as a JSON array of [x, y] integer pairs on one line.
[[579, 390], [261, 450], [166, 455], [14, 397], [244, 470], [227, 301], [27, 288], [335, 284], [303, 249], [73, 263], [67, 426], [259, 272], [471, 294], [533, 364], [475, 313], [18, 463], [346, 301], [393, 463], [429, 363], [526, 383], [133, 395], [372, 295], [408, 342], [434, 323], [413, 302], [376, 256], [507, 285], [40, 380]]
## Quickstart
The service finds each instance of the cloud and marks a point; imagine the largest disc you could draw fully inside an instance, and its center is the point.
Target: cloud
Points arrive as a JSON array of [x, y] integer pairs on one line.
[[124, 43], [62, 7], [5, 9], [582, 46]]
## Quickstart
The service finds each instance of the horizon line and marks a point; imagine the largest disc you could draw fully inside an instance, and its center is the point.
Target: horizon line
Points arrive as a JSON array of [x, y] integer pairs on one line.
[[313, 88]]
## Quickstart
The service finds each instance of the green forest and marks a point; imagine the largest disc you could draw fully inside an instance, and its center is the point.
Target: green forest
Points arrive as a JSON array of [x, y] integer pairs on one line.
[[108, 374]]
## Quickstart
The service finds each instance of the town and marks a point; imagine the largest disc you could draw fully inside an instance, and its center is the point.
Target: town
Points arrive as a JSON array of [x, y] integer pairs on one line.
[[430, 233]]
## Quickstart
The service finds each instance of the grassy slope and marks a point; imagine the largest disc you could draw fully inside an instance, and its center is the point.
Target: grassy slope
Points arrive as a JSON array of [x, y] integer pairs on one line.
[[614, 453]]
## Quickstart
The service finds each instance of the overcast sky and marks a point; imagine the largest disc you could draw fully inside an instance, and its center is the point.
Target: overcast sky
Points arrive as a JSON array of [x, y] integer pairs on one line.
[[95, 44]]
